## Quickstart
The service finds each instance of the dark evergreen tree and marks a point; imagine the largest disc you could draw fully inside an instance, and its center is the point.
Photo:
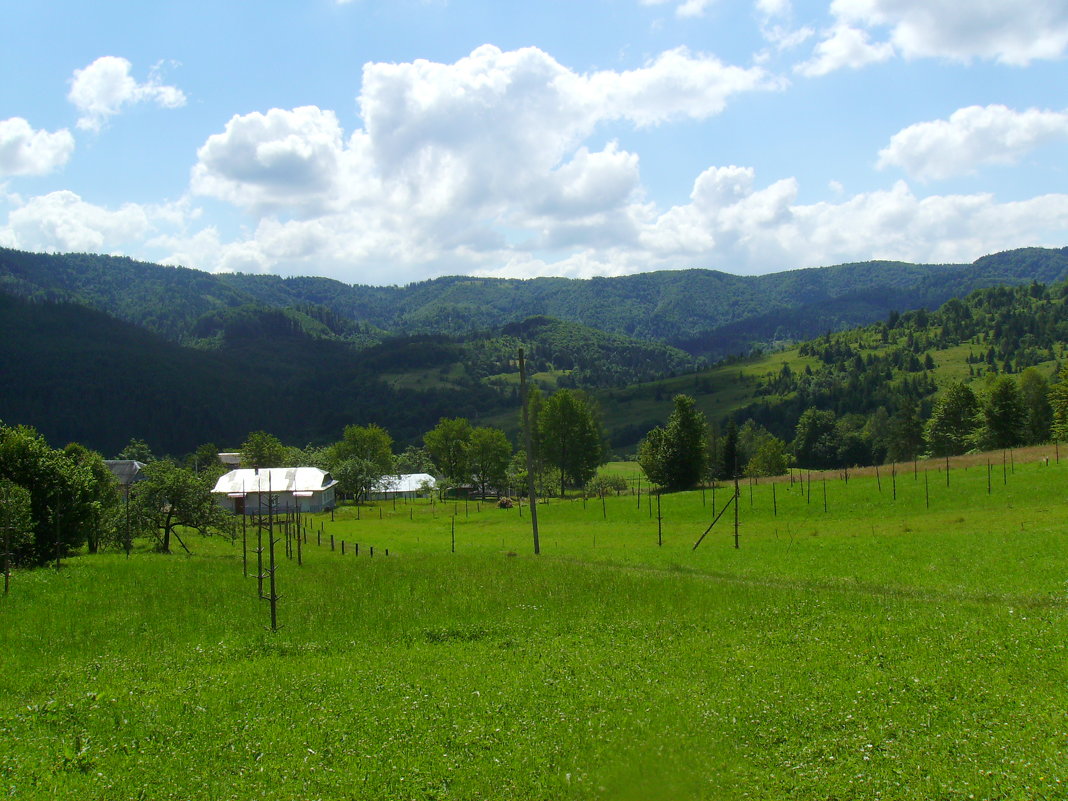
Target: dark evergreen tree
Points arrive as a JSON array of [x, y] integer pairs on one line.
[[729, 464]]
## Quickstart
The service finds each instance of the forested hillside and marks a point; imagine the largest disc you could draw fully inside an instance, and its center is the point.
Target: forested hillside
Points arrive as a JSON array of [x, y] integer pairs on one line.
[[977, 373], [705, 312], [78, 375], [233, 354]]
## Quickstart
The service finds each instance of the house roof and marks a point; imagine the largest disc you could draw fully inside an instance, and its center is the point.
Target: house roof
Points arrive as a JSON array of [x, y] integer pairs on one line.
[[406, 482], [126, 471], [274, 479]]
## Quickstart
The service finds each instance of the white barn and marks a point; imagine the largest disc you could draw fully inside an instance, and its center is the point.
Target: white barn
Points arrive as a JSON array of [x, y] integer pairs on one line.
[[405, 485], [245, 491]]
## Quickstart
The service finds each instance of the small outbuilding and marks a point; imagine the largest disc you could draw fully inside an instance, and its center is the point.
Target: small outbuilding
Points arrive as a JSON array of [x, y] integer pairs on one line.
[[248, 491], [405, 485]]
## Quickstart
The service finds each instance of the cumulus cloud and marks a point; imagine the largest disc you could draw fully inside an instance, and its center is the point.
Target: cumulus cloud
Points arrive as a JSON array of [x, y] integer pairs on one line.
[[776, 24], [63, 222], [288, 159], [491, 165], [844, 47], [971, 137], [1011, 33], [451, 155], [732, 221], [487, 166], [105, 87], [24, 151]]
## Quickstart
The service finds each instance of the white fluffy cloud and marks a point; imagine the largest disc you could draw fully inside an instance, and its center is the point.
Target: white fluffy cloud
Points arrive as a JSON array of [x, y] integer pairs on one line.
[[457, 162], [64, 222], [24, 151], [971, 137], [1012, 33], [844, 46], [493, 165], [730, 221], [776, 24], [281, 159], [102, 89]]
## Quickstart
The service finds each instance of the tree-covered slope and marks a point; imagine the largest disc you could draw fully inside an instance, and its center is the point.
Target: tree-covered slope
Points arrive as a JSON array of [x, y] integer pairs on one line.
[[76, 374], [870, 375], [705, 312]]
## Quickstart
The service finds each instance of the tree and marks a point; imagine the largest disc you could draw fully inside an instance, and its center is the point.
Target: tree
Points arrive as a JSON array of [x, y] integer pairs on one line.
[[676, 456], [1038, 414], [16, 518], [489, 453], [652, 457], [816, 440], [1003, 415], [413, 460], [953, 422], [878, 431], [535, 403], [360, 460], [730, 465], [261, 449], [906, 432], [138, 450], [98, 505], [447, 445], [172, 496], [356, 477], [205, 459], [1058, 401], [61, 492], [571, 437], [771, 458], [371, 442], [854, 447]]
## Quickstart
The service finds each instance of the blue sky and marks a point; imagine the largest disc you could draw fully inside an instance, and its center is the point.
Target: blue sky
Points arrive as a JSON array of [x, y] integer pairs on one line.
[[388, 142]]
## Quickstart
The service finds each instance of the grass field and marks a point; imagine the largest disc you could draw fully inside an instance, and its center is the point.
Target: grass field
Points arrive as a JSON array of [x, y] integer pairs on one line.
[[892, 648]]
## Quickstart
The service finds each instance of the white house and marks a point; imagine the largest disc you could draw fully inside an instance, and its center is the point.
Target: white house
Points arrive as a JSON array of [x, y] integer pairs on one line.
[[247, 491], [405, 485]]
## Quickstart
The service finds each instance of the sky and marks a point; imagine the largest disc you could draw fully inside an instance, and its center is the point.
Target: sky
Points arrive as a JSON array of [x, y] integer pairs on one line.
[[392, 141]]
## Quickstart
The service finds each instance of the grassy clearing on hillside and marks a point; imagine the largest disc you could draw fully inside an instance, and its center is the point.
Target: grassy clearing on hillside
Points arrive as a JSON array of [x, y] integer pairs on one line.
[[879, 649]]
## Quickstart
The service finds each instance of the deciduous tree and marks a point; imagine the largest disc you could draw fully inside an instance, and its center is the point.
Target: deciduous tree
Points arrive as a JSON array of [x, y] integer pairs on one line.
[[170, 497], [571, 437], [261, 449], [447, 445], [1034, 391], [489, 453], [954, 420]]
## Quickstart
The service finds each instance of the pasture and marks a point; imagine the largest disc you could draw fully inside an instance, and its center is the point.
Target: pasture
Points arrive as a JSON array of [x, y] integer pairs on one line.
[[908, 647]]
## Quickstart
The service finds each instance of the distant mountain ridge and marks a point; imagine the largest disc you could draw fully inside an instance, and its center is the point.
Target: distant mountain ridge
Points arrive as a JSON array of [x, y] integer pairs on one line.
[[705, 312], [99, 349]]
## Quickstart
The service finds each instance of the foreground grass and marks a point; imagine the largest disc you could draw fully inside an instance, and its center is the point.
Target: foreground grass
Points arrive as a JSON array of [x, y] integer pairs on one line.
[[876, 650]]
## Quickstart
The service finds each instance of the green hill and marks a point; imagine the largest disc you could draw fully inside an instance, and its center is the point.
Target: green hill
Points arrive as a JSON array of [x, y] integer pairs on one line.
[[705, 312]]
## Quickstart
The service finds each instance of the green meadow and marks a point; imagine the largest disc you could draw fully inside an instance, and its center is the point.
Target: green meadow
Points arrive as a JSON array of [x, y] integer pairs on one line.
[[884, 637]]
